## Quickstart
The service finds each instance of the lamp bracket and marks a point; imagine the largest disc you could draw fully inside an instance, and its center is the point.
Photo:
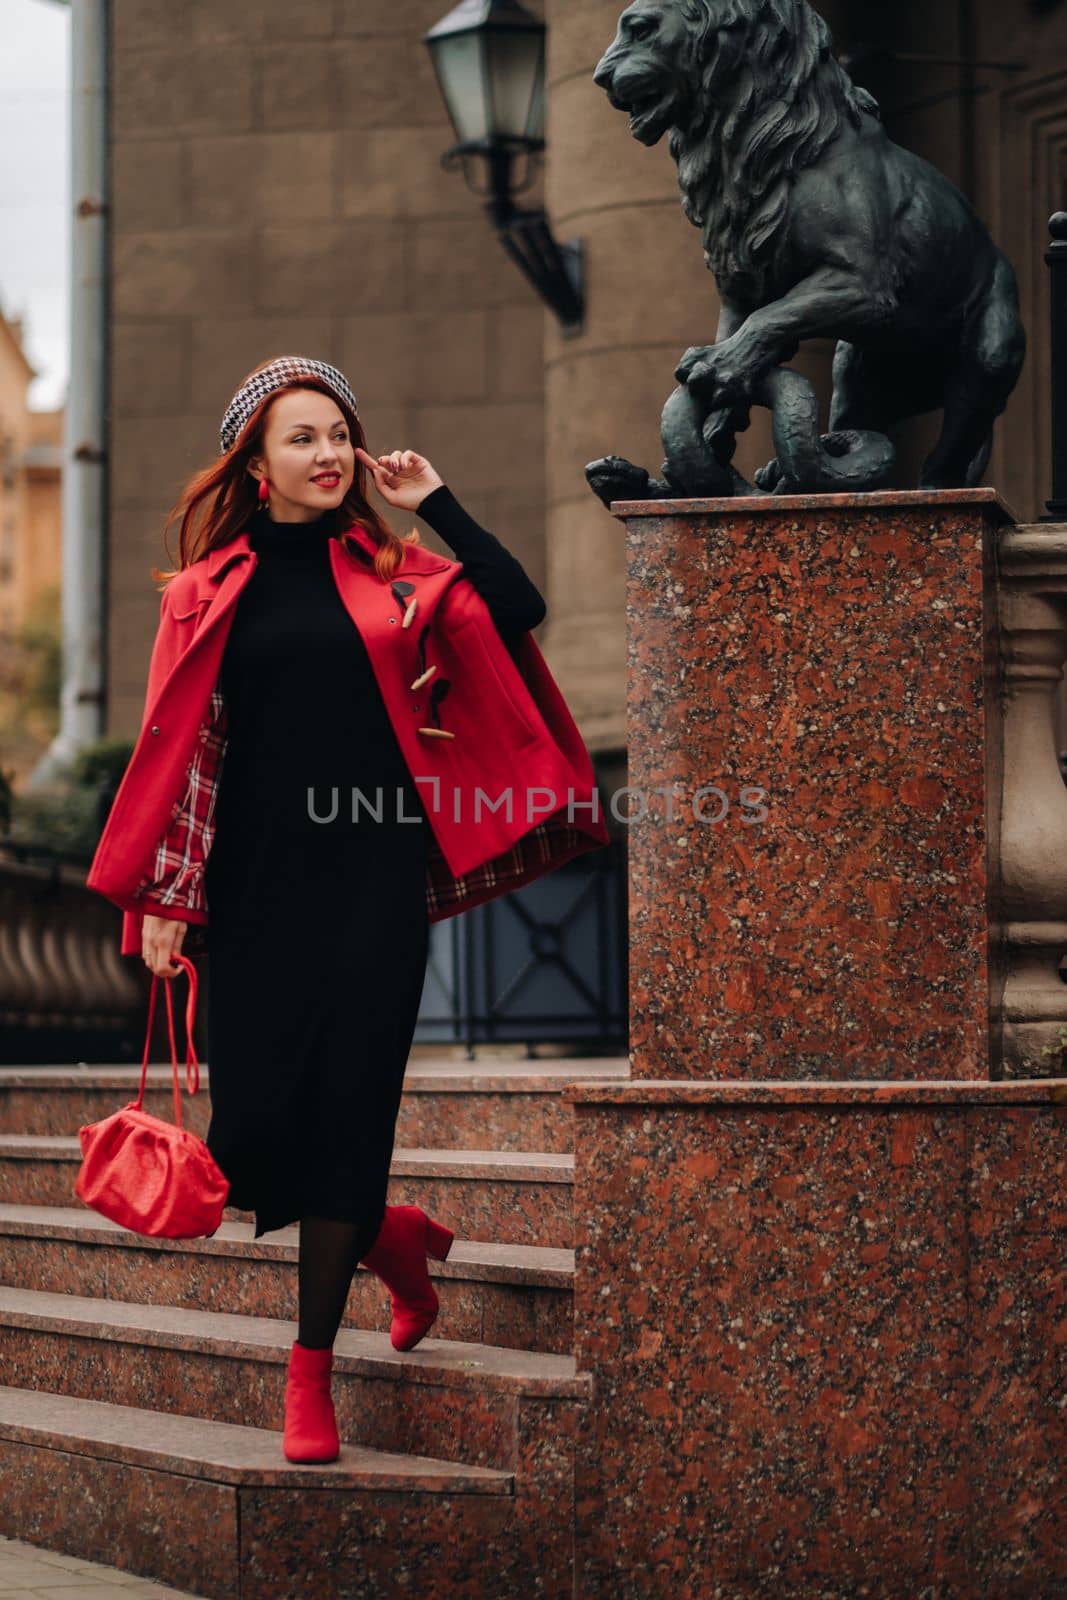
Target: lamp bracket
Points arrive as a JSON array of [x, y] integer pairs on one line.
[[554, 269]]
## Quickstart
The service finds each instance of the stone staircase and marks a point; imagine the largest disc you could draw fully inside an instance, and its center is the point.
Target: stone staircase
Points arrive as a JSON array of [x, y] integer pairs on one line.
[[142, 1383]]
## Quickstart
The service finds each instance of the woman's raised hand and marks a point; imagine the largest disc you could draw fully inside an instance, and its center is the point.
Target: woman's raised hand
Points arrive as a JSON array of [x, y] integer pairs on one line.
[[403, 478], [161, 938]]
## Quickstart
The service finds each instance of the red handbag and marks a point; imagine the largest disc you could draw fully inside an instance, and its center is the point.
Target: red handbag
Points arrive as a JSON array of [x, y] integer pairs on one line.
[[151, 1176]]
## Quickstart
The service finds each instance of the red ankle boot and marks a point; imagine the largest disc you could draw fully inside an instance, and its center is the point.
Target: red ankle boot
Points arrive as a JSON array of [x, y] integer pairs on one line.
[[398, 1257], [310, 1425]]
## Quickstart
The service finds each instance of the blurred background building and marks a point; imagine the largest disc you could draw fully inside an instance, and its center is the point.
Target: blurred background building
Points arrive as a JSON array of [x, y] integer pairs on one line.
[[31, 455], [30, 479]]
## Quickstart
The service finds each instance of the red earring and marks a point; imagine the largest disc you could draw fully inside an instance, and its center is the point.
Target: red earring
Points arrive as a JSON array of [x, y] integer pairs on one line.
[[264, 491]]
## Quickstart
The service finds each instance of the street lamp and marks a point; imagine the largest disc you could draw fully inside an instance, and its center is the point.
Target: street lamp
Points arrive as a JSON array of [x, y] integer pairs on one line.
[[489, 57]]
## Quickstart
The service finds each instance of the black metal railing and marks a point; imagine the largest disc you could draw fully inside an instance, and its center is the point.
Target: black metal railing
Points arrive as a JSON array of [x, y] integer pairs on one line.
[[545, 964]]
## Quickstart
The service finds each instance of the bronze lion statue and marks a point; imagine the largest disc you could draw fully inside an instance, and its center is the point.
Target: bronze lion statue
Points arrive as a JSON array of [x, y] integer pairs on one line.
[[814, 223]]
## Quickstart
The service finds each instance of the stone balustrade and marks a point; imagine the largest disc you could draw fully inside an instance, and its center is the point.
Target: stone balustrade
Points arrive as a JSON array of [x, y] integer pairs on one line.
[[1031, 1006], [65, 992]]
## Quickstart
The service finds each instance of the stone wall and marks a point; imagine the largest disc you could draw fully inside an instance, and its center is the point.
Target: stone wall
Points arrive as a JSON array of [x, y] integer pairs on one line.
[[276, 187]]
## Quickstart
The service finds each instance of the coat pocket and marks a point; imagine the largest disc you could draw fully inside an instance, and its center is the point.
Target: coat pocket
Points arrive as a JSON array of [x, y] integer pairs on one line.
[[500, 694], [193, 610]]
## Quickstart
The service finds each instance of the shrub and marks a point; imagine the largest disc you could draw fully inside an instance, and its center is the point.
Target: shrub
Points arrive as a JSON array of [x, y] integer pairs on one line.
[[65, 818]]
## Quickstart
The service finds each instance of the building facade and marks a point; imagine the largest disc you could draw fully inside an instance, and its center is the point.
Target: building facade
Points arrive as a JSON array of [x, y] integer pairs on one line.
[[277, 186], [30, 484]]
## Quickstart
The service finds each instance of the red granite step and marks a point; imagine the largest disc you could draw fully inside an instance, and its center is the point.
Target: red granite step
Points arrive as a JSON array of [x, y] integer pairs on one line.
[[200, 1340], [492, 1103], [462, 1401], [496, 1105], [214, 1507], [510, 1196], [518, 1296]]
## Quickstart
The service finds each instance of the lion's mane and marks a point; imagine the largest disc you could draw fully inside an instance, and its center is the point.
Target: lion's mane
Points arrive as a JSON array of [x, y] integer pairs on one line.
[[786, 98]]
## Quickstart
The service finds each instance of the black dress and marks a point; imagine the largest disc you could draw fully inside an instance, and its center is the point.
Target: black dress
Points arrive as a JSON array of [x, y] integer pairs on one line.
[[318, 930]]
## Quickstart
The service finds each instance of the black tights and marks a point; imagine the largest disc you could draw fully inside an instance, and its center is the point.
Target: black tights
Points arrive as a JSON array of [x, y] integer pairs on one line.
[[330, 1251]]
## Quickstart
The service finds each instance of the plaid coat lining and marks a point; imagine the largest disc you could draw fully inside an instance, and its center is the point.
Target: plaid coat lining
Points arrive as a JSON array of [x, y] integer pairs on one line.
[[177, 874], [176, 877]]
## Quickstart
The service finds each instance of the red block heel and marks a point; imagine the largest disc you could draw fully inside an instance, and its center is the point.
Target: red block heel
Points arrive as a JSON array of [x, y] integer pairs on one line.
[[438, 1239], [398, 1258]]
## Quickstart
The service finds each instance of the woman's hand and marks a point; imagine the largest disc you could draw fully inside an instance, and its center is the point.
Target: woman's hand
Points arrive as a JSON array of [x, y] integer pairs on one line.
[[403, 479], [161, 938]]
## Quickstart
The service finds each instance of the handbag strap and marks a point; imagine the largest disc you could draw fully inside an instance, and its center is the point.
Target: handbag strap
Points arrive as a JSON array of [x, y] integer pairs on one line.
[[192, 1065]]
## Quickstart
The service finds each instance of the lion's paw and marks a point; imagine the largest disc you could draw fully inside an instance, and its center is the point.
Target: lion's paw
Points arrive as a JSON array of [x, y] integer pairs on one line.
[[615, 478], [768, 477]]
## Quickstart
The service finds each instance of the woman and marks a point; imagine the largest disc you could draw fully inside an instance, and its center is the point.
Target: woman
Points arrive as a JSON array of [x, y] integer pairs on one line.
[[320, 910]]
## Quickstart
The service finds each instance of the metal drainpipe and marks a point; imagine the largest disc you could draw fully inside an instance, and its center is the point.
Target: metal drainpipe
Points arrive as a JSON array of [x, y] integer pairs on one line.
[[84, 491]]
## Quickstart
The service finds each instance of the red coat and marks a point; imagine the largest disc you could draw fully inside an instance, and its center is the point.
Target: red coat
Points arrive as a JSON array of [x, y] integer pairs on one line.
[[515, 744]]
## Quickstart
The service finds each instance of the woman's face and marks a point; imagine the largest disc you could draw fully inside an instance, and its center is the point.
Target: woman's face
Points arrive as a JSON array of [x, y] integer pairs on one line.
[[306, 439]]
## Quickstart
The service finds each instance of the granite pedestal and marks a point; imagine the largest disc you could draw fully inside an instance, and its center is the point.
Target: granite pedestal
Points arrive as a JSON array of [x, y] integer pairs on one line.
[[819, 1245]]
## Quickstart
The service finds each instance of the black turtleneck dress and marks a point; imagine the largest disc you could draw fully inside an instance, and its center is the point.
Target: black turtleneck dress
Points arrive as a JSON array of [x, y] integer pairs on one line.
[[318, 928]]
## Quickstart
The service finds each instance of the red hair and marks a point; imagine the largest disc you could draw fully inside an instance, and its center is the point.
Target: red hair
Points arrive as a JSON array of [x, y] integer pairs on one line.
[[219, 501]]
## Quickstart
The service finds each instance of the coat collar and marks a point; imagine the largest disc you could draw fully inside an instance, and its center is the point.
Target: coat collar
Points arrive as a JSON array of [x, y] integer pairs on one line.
[[416, 558]]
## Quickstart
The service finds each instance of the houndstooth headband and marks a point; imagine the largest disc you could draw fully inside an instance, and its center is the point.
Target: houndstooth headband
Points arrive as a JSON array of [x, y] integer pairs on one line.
[[271, 377]]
